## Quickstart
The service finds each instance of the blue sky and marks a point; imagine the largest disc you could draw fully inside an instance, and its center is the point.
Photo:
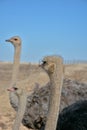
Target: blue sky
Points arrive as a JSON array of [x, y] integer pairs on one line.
[[46, 27]]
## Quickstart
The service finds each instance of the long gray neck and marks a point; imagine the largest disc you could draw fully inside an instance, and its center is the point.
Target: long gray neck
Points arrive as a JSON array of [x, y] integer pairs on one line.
[[21, 111], [16, 64], [56, 86]]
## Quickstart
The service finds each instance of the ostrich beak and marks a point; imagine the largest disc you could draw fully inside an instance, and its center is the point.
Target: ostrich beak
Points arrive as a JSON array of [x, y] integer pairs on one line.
[[40, 63], [10, 89], [8, 40]]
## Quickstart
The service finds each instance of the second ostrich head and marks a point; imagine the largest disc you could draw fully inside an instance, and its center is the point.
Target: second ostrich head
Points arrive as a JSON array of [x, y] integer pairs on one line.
[[17, 91], [49, 63], [16, 41]]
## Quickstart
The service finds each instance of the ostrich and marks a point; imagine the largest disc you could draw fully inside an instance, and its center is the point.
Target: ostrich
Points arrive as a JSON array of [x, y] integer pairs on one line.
[[53, 65], [16, 42], [73, 117], [21, 94]]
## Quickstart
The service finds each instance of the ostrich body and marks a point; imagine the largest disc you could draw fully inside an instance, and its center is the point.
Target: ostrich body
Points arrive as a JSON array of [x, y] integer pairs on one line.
[[73, 117]]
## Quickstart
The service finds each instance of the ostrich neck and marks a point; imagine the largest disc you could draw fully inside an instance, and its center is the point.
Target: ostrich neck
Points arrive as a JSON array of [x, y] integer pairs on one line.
[[21, 111], [56, 86], [16, 65]]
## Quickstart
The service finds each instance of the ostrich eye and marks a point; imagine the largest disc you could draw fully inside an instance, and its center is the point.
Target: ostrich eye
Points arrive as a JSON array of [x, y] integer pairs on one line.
[[15, 39], [15, 88], [44, 62]]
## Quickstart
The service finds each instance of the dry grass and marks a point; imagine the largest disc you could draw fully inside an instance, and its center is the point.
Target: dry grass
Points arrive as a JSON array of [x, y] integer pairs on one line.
[[77, 72]]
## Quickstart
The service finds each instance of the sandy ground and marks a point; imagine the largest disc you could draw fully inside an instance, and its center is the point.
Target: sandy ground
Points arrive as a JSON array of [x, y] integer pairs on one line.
[[7, 114]]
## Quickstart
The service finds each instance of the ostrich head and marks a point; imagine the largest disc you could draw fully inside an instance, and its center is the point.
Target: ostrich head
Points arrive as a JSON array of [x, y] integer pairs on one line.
[[16, 41], [48, 63], [16, 90]]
